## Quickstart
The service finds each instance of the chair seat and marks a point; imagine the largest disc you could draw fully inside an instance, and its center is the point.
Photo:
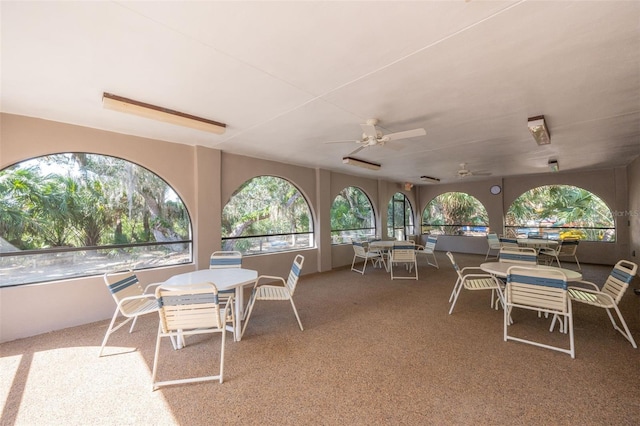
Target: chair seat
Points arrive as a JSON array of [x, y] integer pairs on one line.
[[270, 292], [480, 284], [140, 306]]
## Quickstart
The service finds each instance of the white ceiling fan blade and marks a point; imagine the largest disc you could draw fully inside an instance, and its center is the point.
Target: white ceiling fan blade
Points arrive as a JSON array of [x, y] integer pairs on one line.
[[356, 151], [406, 134], [369, 130], [344, 141]]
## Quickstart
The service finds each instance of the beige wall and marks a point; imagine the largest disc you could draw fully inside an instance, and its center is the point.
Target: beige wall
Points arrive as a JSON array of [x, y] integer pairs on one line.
[[633, 214], [205, 179]]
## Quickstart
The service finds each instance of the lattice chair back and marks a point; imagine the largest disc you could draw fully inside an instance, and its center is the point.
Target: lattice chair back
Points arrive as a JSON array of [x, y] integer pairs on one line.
[[294, 273], [619, 279], [541, 290], [225, 259], [522, 255], [194, 310]]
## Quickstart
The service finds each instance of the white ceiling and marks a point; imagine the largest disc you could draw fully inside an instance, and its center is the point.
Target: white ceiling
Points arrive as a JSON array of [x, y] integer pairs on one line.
[[288, 76]]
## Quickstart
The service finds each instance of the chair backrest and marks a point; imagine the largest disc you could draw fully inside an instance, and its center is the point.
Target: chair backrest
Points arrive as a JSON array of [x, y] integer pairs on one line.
[[525, 255], [431, 243], [536, 235], [294, 274], [123, 284], [359, 248], [537, 288], [568, 247], [403, 251], [493, 241], [508, 242], [619, 279], [192, 308], [225, 259], [455, 265]]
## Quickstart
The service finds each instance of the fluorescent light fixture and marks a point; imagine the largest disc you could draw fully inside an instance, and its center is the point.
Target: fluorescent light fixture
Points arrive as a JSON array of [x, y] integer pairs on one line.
[[553, 166], [360, 163], [118, 103], [429, 179], [538, 129]]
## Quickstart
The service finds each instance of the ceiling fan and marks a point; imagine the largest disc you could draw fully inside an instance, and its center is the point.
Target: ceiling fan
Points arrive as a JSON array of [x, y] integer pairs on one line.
[[463, 172], [371, 136]]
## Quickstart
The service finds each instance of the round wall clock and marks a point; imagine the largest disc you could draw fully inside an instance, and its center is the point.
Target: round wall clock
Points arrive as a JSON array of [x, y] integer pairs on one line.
[[495, 189]]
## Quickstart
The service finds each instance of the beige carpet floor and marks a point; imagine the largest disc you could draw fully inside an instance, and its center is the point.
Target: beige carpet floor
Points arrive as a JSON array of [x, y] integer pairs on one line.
[[374, 351]]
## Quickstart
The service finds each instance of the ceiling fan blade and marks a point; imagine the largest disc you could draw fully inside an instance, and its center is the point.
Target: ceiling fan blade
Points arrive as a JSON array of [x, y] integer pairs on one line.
[[369, 130], [344, 141], [406, 134], [356, 151]]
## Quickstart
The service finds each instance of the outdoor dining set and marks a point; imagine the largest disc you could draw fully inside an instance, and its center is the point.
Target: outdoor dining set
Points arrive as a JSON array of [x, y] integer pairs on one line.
[[522, 277], [200, 302]]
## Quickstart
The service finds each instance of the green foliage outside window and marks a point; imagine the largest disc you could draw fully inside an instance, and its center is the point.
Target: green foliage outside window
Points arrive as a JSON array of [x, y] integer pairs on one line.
[[81, 214], [561, 211], [455, 213], [352, 216], [266, 214]]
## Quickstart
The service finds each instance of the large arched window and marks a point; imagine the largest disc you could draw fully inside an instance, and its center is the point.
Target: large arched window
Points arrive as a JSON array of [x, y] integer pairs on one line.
[[78, 214], [558, 212], [399, 217], [455, 213], [352, 216], [266, 214]]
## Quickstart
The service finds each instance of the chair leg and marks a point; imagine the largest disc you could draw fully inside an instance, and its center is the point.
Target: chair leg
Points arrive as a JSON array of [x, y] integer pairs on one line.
[[295, 311], [111, 330], [248, 311], [626, 333], [453, 292], [455, 298], [155, 359]]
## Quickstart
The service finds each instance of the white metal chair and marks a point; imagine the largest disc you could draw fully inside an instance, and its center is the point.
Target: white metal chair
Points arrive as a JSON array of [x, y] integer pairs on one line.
[[223, 260], [565, 248], [519, 255], [276, 292], [609, 296], [361, 251], [473, 281], [131, 300], [429, 250], [194, 310], [540, 290], [404, 252], [494, 244], [508, 242]]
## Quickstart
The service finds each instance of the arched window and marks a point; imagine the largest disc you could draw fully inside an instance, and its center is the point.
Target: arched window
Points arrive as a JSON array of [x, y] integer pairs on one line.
[[78, 214], [352, 216], [455, 213], [558, 212], [266, 214], [399, 217]]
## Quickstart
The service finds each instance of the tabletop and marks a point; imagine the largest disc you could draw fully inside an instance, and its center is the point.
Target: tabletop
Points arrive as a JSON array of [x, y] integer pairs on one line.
[[224, 279], [500, 269], [536, 242]]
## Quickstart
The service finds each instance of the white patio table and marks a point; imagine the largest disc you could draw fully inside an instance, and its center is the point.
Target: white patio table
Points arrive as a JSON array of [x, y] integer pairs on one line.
[[224, 279]]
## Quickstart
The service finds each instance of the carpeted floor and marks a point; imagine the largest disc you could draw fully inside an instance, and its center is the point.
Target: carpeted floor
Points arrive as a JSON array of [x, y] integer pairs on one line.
[[374, 351]]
